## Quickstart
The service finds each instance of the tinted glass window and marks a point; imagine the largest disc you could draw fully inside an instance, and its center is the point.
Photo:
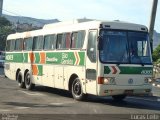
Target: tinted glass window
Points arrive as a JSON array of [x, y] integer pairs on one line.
[[8, 45], [78, 39], [117, 46], [59, 41], [114, 46], [38, 43], [12, 45], [19, 44], [139, 47], [67, 40], [63, 41], [28, 44], [91, 49], [49, 42]]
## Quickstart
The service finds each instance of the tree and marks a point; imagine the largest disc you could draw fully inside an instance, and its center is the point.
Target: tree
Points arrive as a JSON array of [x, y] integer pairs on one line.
[[5, 30], [156, 54], [4, 22]]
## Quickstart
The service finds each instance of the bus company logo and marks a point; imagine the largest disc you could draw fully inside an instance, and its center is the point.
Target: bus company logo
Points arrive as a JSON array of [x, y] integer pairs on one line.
[[146, 72], [9, 57], [51, 59], [65, 59]]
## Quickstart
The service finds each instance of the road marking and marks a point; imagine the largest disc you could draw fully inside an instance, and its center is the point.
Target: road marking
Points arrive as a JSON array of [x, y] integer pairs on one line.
[[32, 94], [4, 110], [63, 103], [56, 103], [40, 105], [95, 111], [20, 108]]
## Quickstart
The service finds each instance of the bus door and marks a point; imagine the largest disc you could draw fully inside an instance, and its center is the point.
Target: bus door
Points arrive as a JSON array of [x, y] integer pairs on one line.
[[48, 75], [91, 62], [59, 81]]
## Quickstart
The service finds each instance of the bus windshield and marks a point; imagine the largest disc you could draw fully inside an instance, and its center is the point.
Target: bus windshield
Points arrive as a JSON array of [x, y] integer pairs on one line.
[[117, 46]]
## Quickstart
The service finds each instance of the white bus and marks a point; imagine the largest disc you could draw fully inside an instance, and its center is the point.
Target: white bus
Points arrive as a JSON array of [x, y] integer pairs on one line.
[[85, 57]]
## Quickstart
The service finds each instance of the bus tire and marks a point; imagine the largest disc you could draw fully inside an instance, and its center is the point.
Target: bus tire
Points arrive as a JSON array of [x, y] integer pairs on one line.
[[20, 80], [28, 82], [77, 91], [118, 97]]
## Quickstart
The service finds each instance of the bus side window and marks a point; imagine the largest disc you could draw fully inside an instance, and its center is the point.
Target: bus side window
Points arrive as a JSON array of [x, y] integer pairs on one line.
[[49, 42], [78, 39], [59, 41], [19, 44], [37, 43], [28, 42], [8, 45], [66, 40], [12, 45], [91, 48]]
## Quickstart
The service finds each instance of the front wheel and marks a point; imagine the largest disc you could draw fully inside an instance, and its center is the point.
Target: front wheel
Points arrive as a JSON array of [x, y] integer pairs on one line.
[[77, 91], [28, 82], [118, 97]]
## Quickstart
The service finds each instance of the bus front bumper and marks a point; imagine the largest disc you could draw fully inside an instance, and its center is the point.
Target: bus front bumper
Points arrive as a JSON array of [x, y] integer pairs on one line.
[[127, 90]]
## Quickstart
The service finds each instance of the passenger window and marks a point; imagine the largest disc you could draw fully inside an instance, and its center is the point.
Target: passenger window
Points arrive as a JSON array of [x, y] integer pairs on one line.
[[28, 42], [8, 45], [12, 45], [38, 43], [59, 41], [78, 39], [66, 40], [91, 49], [49, 42], [19, 44]]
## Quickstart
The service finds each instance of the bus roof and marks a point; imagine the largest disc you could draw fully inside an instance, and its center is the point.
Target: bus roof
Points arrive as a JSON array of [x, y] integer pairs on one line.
[[80, 24], [93, 24], [25, 34]]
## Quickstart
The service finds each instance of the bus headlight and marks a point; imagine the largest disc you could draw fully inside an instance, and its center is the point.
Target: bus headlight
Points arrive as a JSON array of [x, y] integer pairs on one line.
[[147, 80], [106, 80]]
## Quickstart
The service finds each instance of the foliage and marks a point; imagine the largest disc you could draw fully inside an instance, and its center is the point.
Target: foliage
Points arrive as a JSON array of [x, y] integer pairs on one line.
[[156, 54], [4, 22], [5, 29]]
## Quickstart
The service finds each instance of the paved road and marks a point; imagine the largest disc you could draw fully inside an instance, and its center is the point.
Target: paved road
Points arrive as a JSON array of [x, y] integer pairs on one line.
[[44, 100]]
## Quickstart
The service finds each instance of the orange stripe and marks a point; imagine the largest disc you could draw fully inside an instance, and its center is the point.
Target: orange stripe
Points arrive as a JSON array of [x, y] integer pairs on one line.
[[34, 69], [31, 55], [42, 57]]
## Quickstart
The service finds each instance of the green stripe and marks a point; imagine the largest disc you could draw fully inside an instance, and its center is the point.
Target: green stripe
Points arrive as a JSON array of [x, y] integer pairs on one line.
[[37, 58], [40, 70], [81, 55], [136, 70], [106, 70], [131, 70], [14, 57], [65, 58], [25, 55]]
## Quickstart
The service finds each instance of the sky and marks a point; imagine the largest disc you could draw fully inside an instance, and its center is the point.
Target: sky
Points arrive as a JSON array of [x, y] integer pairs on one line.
[[135, 11]]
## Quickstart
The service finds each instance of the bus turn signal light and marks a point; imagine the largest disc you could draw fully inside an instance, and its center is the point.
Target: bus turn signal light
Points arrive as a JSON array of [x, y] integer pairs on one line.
[[106, 80]]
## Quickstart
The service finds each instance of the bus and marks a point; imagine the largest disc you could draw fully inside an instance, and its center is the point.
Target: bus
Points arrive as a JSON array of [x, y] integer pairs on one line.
[[102, 58]]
